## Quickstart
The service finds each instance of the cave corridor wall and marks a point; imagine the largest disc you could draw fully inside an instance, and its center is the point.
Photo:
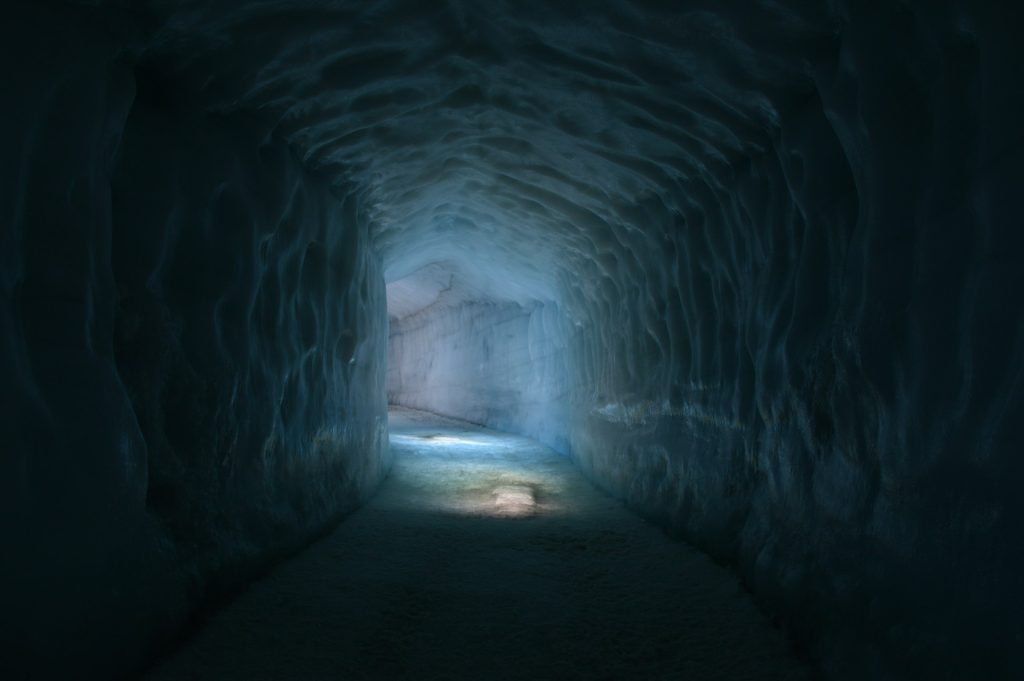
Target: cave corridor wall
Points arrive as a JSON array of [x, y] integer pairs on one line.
[[194, 338]]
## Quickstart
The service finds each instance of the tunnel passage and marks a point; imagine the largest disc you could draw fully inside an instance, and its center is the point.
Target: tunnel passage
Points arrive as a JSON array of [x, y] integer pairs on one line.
[[755, 267]]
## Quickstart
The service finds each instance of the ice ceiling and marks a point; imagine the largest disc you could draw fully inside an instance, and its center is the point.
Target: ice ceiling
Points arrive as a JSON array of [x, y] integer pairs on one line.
[[512, 145]]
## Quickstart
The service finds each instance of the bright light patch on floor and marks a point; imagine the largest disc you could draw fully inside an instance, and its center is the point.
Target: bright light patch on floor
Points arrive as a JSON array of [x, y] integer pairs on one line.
[[513, 500]]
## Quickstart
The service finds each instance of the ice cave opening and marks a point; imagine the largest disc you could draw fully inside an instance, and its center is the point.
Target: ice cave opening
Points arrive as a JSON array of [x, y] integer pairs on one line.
[[694, 322]]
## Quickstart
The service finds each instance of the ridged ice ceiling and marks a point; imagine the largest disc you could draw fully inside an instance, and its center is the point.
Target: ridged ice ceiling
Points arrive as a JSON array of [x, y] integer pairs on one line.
[[514, 143]]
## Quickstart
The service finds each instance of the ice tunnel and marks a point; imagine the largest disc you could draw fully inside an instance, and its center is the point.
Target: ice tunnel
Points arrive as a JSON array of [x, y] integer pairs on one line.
[[755, 268]]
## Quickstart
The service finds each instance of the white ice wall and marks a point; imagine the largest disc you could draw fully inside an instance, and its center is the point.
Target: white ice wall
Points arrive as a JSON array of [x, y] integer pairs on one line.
[[495, 363]]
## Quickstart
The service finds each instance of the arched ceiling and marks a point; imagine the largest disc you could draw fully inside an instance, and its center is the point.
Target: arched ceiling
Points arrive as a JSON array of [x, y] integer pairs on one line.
[[510, 140]]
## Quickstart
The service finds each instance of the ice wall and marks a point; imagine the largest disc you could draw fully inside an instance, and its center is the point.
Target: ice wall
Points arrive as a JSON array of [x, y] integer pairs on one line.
[[192, 351], [495, 363], [827, 378]]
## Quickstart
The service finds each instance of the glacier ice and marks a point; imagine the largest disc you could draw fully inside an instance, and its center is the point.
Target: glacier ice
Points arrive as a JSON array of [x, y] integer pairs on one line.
[[752, 266]]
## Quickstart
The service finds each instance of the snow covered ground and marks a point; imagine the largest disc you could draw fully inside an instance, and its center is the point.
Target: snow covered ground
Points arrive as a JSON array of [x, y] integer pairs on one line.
[[488, 556]]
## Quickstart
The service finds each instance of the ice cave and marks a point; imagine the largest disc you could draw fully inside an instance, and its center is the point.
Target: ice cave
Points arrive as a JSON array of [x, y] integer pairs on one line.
[[441, 339]]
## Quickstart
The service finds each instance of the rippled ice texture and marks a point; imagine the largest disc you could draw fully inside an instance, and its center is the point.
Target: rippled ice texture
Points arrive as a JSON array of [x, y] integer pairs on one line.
[[782, 239]]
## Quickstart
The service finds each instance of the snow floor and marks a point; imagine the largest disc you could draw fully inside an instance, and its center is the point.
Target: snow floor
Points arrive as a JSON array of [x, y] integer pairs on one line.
[[488, 556]]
